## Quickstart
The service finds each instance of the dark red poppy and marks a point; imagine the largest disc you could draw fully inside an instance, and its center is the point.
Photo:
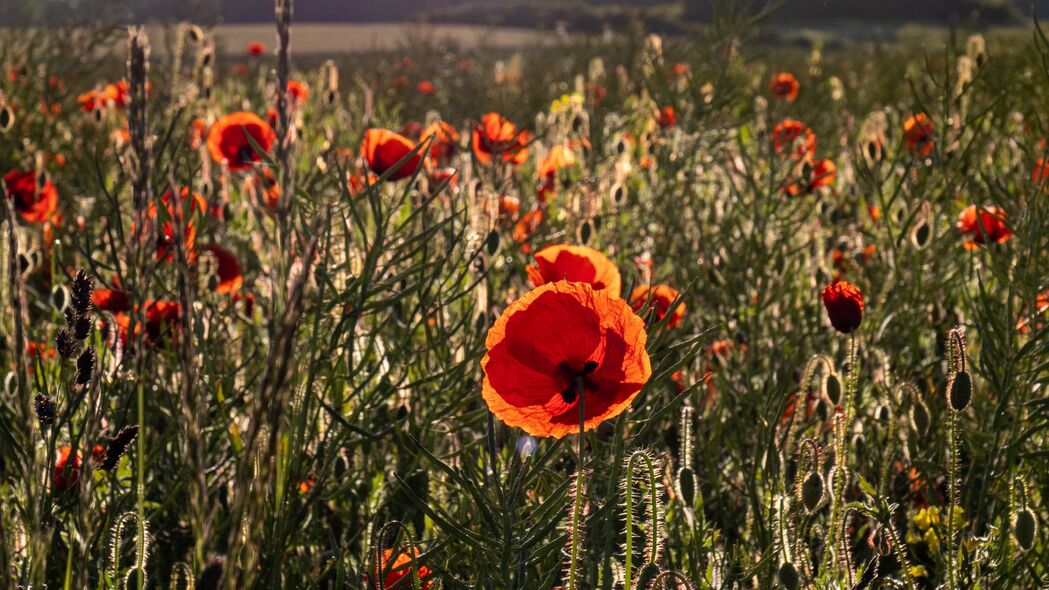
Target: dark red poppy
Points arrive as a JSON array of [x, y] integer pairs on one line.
[[495, 137], [576, 264], [111, 300], [844, 303], [177, 210], [983, 224], [794, 138], [227, 270], [256, 49], [659, 297], [556, 342], [784, 86], [918, 134], [228, 140], [66, 472], [382, 149], [36, 202], [667, 117], [445, 141], [426, 88]]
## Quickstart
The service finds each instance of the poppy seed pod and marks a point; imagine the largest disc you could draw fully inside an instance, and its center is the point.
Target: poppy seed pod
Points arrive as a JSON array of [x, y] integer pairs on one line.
[[844, 303]]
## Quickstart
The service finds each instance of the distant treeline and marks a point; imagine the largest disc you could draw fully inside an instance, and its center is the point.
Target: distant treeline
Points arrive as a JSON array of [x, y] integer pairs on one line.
[[576, 15]]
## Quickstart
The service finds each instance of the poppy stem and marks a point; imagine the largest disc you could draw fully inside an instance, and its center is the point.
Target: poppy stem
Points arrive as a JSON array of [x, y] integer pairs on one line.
[[582, 419]]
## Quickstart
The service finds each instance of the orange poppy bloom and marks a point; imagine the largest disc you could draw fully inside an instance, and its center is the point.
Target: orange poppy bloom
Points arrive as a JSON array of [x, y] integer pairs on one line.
[[398, 576], [256, 49], [426, 88], [784, 86], [66, 472], [680, 70], [558, 341], [298, 92], [793, 135], [94, 99], [228, 139], [175, 209], [844, 303], [983, 224], [509, 205], [230, 277], [162, 319], [197, 131], [1040, 310], [667, 117], [495, 137], [382, 149], [1040, 172], [526, 226], [660, 297], [36, 203], [358, 182], [918, 134], [823, 174], [576, 264], [265, 180], [560, 156], [445, 141]]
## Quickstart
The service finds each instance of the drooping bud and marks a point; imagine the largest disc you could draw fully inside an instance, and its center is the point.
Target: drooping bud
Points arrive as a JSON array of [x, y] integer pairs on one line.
[[961, 391], [788, 576], [812, 491], [1025, 528]]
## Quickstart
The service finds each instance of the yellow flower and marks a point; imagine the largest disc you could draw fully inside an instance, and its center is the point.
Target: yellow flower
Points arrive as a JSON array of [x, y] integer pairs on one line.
[[927, 517], [565, 102], [918, 571], [932, 540]]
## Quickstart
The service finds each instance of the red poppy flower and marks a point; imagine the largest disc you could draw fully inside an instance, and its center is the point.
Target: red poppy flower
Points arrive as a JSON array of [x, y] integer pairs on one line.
[[1040, 172], [66, 473], [298, 92], [358, 182], [667, 117], [228, 140], [576, 264], [918, 134], [983, 224], [445, 141], [264, 186], [40, 350], [399, 571], [176, 208], [230, 277], [198, 130], [382, 149], [794, 136], [94, 99], [784, 86], [496, 137], [526, 226], [555, 342], [844, 303], [111, 300], [509, 205], [256, 49], [1040, 311], [161, 320], [680, 70], [36, 203], [426, 88], [661, 297], [560, 156]]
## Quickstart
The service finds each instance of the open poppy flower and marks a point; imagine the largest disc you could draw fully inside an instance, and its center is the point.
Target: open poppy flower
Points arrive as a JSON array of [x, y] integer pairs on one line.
[[526, 226], [982, 224], [495, 137], [660, 297], [228, 139], [36, 203], [576, 264], [556, 342], [560, 156], [784, 86], [844, 303], [795, 138], [382, 149], [445, 141], [94, 99], [66, 472], [255, 49], [426, 88], [918, 134], [111, 300], [263, 185], [161, 320], [175, 208], [227, 269], [667, 117], [298, 92], [1040, 172], [398, 573]]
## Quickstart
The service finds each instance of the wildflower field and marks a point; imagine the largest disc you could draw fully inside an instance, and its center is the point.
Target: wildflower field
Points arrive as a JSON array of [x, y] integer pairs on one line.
[[610, 313]]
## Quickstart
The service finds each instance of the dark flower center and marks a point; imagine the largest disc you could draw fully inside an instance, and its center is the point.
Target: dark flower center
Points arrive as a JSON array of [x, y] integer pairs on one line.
[[576, 379]]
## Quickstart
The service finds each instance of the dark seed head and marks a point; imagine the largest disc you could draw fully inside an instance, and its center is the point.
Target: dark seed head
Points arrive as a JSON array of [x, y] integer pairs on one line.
[[118, 446], [82, 288], [812, 492], [961, 391], [788, 576], [82, 327], [45, 408], [1025, 529], [686, 485], [65, 343], [832, 387], [85, 366]]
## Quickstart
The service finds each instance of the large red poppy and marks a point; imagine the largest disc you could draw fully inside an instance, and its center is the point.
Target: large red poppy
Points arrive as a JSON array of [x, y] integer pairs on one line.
[[228, 139], [660, 297], [36, 203], [495, 137], [844, 303], [577, 264], [558, 341], [983, 224], [227, 270], [382, 149]]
